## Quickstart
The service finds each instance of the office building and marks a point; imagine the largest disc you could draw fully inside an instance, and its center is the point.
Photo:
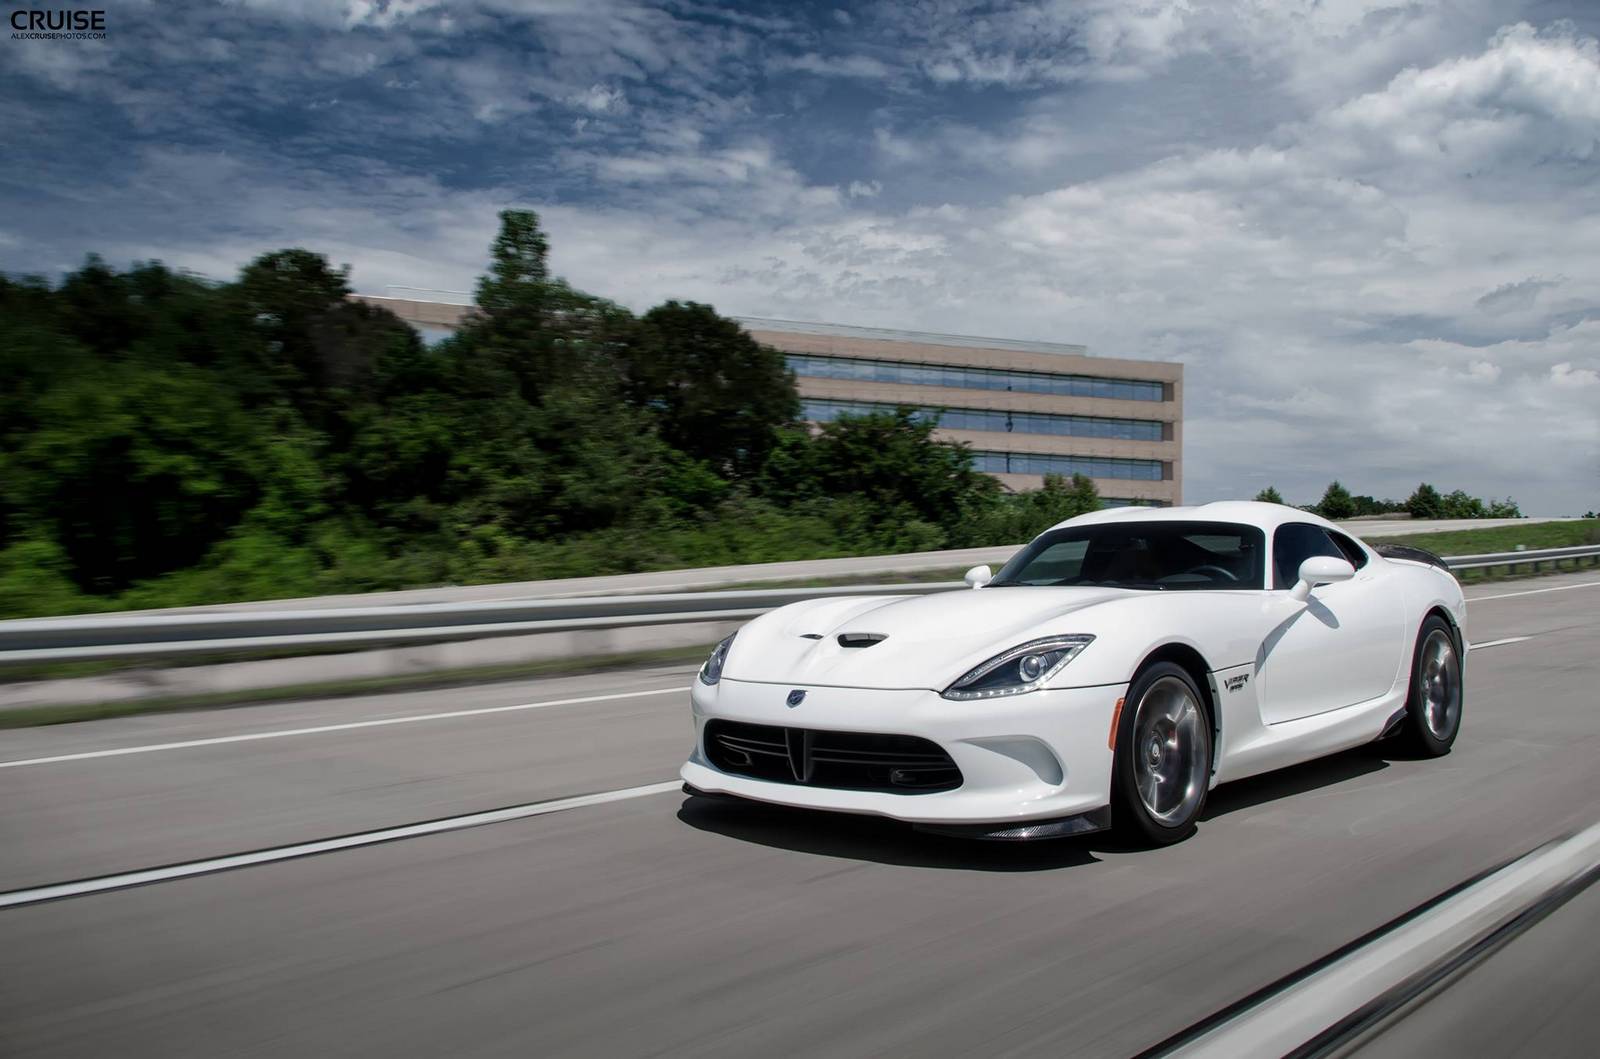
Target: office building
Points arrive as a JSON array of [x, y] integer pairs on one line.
[[1027, 409]]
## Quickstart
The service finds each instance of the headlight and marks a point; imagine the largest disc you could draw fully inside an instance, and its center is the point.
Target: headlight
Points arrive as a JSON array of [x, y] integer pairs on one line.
[[1023, 668], [711, 672]]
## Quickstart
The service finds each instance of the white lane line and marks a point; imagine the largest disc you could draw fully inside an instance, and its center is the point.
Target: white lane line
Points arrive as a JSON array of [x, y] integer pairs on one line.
[[1400, 962], [1497, 643], [1534, 592], [151, 748], [123, 880]]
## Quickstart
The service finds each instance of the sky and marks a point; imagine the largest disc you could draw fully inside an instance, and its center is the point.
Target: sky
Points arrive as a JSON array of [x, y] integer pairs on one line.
[[1369, 229]]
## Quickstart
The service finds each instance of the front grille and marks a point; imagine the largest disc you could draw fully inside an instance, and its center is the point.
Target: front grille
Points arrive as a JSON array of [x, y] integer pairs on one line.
[[852, 761]]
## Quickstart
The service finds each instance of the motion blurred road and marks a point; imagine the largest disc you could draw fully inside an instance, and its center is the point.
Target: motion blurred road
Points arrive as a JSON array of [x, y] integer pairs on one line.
[[657, 924]]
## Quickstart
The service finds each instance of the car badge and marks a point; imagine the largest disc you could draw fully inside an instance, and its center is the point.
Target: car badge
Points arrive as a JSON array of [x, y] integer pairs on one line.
[[796, 697]]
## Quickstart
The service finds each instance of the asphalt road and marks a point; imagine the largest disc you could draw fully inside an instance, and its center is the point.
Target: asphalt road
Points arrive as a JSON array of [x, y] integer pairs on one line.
[[1539, 996], [659, 925]]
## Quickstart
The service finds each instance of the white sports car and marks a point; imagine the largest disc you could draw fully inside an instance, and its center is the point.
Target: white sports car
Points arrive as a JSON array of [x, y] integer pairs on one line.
[[1115, 670]]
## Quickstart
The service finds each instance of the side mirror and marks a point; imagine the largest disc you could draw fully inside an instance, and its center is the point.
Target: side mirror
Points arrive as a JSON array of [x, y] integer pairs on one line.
[[977, 577], [1320, 570]]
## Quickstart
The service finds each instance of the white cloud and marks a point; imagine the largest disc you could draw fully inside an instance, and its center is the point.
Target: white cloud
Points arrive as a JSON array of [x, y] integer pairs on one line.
[[1568, 377], [1528, 92], [601, 99], [863, 66]]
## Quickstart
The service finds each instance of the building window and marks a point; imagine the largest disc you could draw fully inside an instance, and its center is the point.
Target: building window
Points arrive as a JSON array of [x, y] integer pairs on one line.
[[1042, 463], [819, 367], [823, 410]]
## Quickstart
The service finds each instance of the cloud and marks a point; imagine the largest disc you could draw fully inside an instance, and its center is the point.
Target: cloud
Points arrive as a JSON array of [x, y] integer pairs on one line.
[[601, 99], [1531, 93], [1366, 228], [1566, 376], [837, 65], [1513, 297]]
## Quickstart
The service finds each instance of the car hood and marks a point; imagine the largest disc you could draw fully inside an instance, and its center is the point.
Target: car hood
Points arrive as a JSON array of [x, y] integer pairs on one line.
[[924, 641]]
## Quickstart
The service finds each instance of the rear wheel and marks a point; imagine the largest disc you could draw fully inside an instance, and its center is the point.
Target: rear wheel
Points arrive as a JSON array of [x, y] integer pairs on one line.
[[1161, 767], [1433, 710]]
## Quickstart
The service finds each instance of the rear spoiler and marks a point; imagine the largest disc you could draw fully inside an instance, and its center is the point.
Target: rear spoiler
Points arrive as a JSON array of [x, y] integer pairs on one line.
[[1410, 554]]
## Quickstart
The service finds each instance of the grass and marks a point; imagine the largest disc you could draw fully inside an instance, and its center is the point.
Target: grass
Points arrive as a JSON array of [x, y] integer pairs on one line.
[[1505, 539], [65, 713], [1502, 538]]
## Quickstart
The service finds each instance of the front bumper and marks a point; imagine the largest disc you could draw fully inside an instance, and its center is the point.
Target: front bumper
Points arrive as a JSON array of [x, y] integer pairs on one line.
[[1039, 756]]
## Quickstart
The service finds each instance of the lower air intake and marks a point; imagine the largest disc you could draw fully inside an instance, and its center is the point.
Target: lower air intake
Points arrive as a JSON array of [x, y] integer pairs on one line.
[[851, 761]]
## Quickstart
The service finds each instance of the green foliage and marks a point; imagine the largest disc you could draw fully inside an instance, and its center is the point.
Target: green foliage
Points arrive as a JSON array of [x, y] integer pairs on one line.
[[1427, 503], [519, 268], [891, 460], [1269, 495], [1336, 502], [136, 471], [167, 441], [718, 395], [1022, 516]]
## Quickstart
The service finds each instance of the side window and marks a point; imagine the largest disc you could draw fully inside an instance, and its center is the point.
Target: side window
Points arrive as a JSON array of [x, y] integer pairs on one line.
[[1293, 544], [1351, 550]]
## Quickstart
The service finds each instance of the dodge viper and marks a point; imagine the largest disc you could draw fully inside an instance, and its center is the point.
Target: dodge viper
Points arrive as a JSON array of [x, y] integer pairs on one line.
[[1114, 671]]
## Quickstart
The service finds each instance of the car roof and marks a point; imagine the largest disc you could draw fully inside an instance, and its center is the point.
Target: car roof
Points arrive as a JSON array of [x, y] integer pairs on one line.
[[1266, 517]]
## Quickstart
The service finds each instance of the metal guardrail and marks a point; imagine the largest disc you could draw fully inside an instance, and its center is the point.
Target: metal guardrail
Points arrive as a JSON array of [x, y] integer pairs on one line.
[[110, 636], [1536, 558], [171, 635]]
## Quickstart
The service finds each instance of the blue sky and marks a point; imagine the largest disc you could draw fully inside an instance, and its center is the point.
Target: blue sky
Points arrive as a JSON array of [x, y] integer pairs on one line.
[[1367, 227]]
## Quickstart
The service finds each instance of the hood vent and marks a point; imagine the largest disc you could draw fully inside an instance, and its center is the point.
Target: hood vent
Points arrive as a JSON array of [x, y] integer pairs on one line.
[[861, 639]]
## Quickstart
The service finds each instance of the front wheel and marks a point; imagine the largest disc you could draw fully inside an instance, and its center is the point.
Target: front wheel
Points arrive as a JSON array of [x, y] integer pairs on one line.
[[1433, 709], [1161, 767]]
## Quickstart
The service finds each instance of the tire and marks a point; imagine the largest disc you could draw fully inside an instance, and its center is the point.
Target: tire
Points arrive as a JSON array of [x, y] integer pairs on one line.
[[1433, 705], [1161, 764]]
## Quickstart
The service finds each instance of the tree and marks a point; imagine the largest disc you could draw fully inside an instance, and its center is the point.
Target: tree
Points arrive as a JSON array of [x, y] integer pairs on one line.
[[533, 333], [287, 299], [890, 461], [1030, 513], [519, 268], [1458, 504], [717, 394], [1269, 495], [136, 471], [1336, 502], [1425, 503], [165, 440]]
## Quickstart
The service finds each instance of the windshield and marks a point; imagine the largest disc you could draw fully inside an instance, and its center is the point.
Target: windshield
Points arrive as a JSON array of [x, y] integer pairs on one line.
[[1160, 556]]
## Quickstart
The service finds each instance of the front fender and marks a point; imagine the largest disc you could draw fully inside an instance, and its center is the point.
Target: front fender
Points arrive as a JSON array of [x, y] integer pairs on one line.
[[1224, 628]]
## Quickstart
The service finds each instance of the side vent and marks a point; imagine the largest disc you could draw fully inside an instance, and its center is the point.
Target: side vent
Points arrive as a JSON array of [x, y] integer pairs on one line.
[[811, 636], [860, 639]]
